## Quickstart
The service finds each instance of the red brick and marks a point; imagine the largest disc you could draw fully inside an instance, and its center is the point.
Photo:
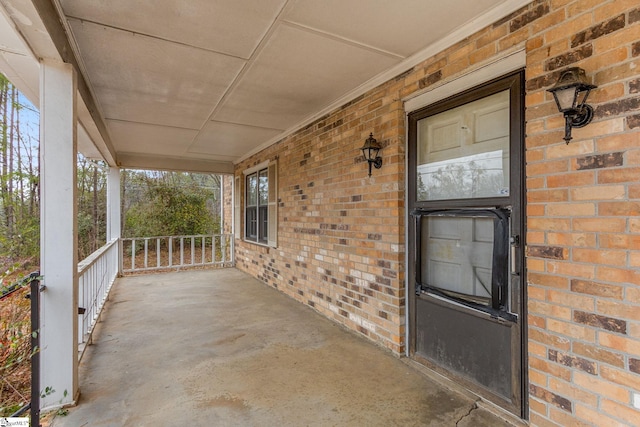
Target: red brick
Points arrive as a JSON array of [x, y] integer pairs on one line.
[[594, 256], [597, 289], [620, 377], [590, 415], [619, 241], [539, 421], [550, 397], [572, 330], [576, 148], [549, 224], [577, 8], [564, 419], [571, 209], [600, 161], [599, 321], [598, 353], [619, 209], [549, 280], [551, 310], [546, 196], [617, 275], [624, 412], [572, 361], [610, 225], [549, 339], [572, 239], [619, 343], [535, 210], [606, 93], [618, 309], [577, 179], [545, 168], [582, 271], [605, 12], [565, 388], [619, 142], [601, 192]]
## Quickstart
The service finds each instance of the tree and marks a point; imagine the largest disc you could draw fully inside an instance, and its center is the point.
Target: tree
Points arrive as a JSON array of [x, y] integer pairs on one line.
[[92, 206], [19, 202], [170, 204]]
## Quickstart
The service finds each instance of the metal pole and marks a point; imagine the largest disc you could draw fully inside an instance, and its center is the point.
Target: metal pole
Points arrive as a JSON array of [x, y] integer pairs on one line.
[[35, 349]]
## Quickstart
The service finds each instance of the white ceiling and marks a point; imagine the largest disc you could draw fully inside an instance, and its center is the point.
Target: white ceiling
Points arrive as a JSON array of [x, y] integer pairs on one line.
[[216, 80]]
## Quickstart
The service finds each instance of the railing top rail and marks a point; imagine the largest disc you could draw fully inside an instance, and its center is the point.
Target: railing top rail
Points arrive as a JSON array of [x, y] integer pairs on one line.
[[177, 237], [5, 291], [86, 263]]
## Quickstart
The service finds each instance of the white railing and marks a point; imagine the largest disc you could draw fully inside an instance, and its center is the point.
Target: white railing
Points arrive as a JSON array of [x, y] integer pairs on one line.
[[96, 274], [175, 252]]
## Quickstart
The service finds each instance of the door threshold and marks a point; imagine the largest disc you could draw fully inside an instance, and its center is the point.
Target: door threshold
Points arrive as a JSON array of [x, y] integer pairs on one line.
[[458, 388]]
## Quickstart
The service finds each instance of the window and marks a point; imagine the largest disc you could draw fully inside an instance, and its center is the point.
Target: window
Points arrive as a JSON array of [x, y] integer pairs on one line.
[[260, 208]]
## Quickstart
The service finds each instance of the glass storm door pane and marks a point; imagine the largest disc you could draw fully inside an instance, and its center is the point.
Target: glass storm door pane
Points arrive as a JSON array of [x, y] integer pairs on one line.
[[463, 153], [457, 256]]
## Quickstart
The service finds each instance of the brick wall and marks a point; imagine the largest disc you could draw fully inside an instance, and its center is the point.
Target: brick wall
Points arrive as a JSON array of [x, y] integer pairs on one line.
[[341, 234], [583, 227]]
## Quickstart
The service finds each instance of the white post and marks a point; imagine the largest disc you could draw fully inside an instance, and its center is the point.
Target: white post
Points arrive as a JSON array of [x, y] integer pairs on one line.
[[113, 204], [58, 235]]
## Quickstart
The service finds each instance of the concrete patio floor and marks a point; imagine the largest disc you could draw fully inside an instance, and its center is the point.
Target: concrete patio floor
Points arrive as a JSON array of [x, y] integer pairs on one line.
[[219, 348]]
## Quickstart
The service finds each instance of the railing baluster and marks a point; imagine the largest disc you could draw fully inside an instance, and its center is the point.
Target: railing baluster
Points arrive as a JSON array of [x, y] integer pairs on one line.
[[193, 250], [96, 274], [133, 254], [146, 253], [221, 247], [203, 251], [170, 251]]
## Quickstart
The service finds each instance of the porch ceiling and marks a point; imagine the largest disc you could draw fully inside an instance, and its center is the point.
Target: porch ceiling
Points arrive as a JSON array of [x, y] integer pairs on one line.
[[201, 84]]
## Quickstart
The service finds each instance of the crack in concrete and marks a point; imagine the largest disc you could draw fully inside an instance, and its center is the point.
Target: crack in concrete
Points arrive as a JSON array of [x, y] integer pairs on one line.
[[473, 408]]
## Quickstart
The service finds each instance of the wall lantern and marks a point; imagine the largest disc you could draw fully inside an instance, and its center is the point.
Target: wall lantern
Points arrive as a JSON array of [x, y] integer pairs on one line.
[[571, 92], [370, 151]]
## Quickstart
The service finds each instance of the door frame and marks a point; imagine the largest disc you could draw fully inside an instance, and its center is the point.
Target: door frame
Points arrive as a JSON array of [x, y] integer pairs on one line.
[[448, 97]]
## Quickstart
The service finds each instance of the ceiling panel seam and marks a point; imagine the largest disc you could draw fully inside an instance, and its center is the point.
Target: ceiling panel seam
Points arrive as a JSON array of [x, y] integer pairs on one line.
[[245, 125], [259, 47], [150, 124], [492, 15], [151, 36], [345, 40]]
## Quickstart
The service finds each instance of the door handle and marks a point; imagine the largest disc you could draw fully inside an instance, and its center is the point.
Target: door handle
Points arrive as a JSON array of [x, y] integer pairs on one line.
[[515, 243]]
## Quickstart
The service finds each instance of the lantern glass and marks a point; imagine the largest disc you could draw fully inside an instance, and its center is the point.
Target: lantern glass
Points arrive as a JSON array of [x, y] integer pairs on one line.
[[581, 97], [370, 153], [566, 98]]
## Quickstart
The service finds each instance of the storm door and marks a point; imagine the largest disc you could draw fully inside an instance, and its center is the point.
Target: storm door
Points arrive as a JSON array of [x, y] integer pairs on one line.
[[466, 273]]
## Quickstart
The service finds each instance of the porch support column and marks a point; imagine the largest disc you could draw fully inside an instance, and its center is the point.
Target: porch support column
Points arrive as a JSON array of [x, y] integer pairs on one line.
[[114, 226], [58, 235]]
